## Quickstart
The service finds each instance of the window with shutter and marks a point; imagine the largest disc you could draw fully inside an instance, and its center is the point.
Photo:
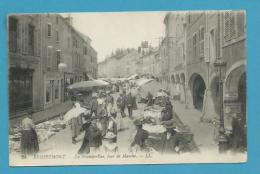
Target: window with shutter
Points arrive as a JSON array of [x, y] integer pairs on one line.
[[240, 24], [227, 26], [31, 39], [49, 30], [202, 32], [58, 57], [13, 34], [57, 36], [194, 45], [26, 34], [49, 56], [230, 26]]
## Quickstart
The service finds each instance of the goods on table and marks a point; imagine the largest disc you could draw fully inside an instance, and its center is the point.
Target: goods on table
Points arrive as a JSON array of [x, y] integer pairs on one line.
[[44, 131], [153, 112], [154, 126]]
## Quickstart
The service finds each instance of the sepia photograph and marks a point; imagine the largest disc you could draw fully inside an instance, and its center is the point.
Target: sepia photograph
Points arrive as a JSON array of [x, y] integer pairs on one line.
[[113, 88]]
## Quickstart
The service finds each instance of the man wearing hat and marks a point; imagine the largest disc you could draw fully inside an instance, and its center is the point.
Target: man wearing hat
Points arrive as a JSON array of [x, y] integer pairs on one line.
[[92, 138], [170, 142], [140, 136], [121, 104], [130, 104]]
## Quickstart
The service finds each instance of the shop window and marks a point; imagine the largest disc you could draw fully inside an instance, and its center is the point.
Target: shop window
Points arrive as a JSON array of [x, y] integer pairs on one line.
[[57, 89], [48, 92], [20, 89]]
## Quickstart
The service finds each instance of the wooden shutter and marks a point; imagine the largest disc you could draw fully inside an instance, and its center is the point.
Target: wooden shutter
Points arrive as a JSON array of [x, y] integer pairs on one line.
[[240, 24], [227, 26], [232, 25], [206, 49]]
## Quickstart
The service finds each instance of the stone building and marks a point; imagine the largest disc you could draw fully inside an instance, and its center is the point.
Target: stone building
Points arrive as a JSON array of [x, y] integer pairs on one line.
[[233, 41], [122, 64], [24, 64], [46, 54], [149, 63], [193, 42], [175, 38]]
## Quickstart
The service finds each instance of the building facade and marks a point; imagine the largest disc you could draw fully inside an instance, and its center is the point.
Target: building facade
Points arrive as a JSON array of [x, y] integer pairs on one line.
[[38, 46], [24, 64], [193, 42], [149, 64], [121, 64]]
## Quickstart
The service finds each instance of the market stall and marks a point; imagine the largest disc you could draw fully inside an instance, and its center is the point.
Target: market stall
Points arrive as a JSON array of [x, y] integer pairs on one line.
[[152, 122], [44, 131]]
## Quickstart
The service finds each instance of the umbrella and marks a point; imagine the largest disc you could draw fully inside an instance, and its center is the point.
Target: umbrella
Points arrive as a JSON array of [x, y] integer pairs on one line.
[[75, 112], [84, 85]]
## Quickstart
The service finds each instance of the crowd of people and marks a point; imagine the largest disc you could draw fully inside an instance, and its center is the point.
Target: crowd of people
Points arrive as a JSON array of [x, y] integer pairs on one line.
[[101, 122]]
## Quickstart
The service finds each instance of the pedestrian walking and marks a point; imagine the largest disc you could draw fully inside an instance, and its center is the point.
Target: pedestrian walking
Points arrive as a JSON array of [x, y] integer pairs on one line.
[[130, 104], [121, 104], [92, 139], [29, 138]]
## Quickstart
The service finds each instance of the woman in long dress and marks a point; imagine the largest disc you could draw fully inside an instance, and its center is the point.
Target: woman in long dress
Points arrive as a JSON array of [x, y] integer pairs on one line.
[[29, 138]]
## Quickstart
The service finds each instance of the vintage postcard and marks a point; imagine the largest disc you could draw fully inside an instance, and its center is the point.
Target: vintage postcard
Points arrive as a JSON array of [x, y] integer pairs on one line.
[[127, 88]]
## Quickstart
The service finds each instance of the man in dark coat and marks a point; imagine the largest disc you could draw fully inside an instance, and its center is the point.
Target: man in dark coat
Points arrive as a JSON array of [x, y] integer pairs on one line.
[[121, 104], [92, 138], [238, 144], [170, 142], [140, 136], [130, 104]]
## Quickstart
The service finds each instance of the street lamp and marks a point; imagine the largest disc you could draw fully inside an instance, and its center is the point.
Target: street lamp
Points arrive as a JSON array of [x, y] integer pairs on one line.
[[62, 68], [220, 64]]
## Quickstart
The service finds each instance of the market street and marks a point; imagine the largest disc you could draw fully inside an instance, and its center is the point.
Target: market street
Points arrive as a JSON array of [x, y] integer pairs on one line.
[[61, 143], [179, 77]]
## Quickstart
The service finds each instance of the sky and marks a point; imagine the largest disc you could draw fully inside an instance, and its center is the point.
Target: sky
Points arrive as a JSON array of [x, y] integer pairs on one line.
[[109, 31]]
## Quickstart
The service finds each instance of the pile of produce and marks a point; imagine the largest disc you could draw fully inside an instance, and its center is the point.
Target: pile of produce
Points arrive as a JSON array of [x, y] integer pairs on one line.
[[44, 130], [155, 127], [153, 113]]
